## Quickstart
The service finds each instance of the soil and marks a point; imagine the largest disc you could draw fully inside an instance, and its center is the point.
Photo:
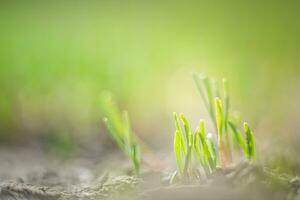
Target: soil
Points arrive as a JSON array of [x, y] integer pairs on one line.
[[27, 174]]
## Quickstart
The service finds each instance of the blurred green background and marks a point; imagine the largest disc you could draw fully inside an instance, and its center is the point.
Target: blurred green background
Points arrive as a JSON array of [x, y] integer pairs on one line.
[[57, 56]]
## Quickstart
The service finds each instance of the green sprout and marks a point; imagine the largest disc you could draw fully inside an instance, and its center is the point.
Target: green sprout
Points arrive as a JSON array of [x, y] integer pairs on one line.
[[207, 148], [195, 152], [250, 142], [209, 152], [120, 130], [219, 112], [183, 144], [238, 138]]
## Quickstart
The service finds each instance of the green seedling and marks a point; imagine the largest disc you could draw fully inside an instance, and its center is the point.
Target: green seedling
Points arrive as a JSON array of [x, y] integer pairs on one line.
[[209, 152], [238, 138], [188, 146], [177, 150], [204, 87], [219, 117], [218, 110], [183, 146], [120, 130], [250, 142], [207, 147]]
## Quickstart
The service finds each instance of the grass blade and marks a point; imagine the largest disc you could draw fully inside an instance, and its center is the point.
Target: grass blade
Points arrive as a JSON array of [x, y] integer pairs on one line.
[[186, 128], [120, 129], [239, 138], [204, 87], [198, 82], [219, 117], [177, 150], [213, 151], [225, 116], [208, 89], [187, 161], [177, 125], [110, 110], [250, 142], [197, 147], [114, 135], [127, 131], [205, 149], [136, 158]]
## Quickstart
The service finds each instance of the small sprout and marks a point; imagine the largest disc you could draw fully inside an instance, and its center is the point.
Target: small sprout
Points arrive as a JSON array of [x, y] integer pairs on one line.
[[219, 116], [136, 158], [186, 127], [187, 161], [197, 148], [207, 151], [226, 114], [128, 131], [213, 152], [177, 150], [250, 142], [183, 146], [120, 130], [114, 135], [208, 157], [238, 138], [204, 87], [177, 125], [210, 99], [189, 139]]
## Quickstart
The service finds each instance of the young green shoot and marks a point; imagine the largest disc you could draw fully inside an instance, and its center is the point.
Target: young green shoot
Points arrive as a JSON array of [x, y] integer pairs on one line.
[[209, 152], [119, 127], [183, 146], [250, 142]]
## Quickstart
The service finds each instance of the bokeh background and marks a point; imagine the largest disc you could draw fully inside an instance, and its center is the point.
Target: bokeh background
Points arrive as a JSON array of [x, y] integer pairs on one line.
[[57, 56]]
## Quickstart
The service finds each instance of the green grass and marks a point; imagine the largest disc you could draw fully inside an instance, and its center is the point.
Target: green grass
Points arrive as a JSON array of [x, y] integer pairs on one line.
[[119, 126], [196, 152], [209, 153]]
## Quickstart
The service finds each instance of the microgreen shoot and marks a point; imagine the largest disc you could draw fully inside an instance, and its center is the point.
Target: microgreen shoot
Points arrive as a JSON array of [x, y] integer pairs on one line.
[[188, 146], [237, 136], [207, 151], [119, 127], [250, 142]]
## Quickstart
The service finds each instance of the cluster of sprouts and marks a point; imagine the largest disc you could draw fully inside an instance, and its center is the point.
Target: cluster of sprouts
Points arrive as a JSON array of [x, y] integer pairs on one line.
[[196, 152]]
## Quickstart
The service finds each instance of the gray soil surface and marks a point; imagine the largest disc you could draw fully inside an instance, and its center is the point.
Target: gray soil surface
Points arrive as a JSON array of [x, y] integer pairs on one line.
[[28, 174]]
